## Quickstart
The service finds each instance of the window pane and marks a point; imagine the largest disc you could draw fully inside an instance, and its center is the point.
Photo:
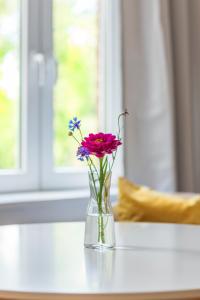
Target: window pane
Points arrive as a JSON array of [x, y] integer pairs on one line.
[[75, 94], [9, 83]]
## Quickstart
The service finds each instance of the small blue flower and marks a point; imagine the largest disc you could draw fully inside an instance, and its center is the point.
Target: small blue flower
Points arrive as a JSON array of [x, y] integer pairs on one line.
[[74, 124], [83, 153]]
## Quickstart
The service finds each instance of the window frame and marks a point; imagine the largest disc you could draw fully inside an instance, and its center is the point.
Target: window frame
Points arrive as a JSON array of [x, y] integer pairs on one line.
[[26, 177], [39, 76]]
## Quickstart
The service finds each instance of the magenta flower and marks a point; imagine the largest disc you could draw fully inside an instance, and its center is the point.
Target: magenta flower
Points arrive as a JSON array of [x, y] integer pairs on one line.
[[101, 144]]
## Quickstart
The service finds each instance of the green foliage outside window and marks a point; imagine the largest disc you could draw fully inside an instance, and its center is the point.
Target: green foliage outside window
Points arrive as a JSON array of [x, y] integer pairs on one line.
[[75, 93]]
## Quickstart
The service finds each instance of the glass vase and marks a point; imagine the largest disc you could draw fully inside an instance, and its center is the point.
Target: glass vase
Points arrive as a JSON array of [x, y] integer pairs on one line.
[[99, 226]]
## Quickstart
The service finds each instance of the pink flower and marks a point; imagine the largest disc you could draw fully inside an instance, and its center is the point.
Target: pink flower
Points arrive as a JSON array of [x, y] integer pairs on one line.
[[101, 143]]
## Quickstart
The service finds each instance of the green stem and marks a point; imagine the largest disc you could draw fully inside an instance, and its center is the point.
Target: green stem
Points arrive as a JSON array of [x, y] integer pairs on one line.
[[94, 184], [113, 160], [99, 195], [100, 208], [123, 114], [80, 134], [101, 235], [91, 161], [76, 139]]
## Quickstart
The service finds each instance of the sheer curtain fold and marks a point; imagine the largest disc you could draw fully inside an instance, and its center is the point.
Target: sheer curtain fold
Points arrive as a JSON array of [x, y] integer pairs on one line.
[[148, 94], [161, 68], [180, 25]]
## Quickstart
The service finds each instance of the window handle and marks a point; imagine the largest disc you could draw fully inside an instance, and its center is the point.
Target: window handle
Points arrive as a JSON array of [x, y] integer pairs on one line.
[[39, 60], [45, 66]]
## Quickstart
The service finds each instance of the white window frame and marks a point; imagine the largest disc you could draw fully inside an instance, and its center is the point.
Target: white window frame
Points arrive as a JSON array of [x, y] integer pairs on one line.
[[26, 178], [39, 73]]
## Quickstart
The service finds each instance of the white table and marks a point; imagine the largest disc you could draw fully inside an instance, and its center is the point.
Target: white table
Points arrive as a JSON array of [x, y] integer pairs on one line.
[[48, 261]]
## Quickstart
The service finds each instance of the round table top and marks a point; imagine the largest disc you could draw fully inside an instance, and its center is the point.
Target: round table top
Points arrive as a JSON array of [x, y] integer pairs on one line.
[[151, 261]]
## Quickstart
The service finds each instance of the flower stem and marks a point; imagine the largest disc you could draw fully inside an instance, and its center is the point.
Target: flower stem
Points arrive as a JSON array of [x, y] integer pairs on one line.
[[80, 134], [124, 114], [76, 139], [100, 208], [92, 163]]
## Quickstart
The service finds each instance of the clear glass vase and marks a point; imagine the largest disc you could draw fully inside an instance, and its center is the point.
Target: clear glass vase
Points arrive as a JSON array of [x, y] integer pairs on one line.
[[99, 226]]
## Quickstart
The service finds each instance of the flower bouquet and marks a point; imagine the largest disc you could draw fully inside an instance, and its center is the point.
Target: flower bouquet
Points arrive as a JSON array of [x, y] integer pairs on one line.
[[99, 152]]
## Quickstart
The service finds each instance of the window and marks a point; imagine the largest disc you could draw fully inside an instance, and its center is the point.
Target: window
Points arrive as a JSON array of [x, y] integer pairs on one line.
[[75, 42], [9, 84], [58, 59]]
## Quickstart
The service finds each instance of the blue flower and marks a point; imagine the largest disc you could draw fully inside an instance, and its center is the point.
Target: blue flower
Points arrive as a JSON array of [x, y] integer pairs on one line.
[[83, 153], [74, 124]]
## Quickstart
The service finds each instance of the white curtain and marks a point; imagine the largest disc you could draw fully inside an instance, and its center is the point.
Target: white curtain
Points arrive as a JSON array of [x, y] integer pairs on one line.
[[161, 71], [185, 21], [148, 94]]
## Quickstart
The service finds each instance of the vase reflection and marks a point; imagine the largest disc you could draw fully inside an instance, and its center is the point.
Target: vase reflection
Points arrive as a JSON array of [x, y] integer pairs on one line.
[[99, 268]]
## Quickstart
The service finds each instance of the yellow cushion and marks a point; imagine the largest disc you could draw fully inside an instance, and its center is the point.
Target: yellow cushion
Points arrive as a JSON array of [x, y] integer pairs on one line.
[[139, 203]]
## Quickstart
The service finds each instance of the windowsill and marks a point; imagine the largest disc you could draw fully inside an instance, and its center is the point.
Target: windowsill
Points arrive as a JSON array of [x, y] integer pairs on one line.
[[43, 196], [45, 207]]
